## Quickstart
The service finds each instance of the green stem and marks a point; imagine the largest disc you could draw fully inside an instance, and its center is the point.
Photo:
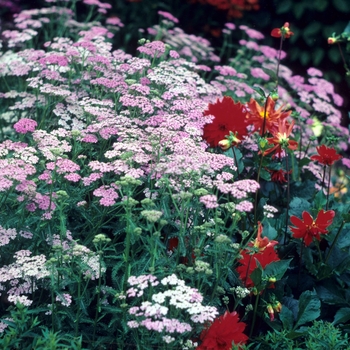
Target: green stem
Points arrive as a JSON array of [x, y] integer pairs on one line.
[[257, 192], [328, 186], [334, 241], [254, 315], [98, 304], [288, 196]]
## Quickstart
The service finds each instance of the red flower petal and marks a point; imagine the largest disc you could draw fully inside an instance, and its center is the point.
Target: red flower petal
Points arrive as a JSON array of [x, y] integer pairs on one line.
[[229, 116]]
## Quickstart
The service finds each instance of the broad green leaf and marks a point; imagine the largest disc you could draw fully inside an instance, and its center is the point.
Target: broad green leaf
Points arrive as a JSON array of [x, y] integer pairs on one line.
[[309, 308], [271, 73], [256, 276], [277, 268], [342, 316], [342, 5], [320, 200], [283, 6], [287, 319], [269, 231], [347, 28], [331, 293]]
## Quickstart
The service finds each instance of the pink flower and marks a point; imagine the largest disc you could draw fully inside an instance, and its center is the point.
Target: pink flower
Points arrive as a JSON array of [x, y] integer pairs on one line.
[[25, 125]]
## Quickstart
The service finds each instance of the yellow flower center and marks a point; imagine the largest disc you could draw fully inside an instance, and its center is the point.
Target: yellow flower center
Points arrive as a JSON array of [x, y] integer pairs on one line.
[[262, 113]]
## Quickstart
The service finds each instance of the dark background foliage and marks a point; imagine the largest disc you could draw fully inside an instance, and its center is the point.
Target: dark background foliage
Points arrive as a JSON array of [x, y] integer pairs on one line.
[[311, 21]]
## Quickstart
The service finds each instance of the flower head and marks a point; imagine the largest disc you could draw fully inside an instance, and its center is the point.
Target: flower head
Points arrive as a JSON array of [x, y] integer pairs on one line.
[[332, 40], [278, 175], [265, 119], [326, 155], [224, 331], [280, 139], [308, 228], [248, 262], [262, 243], [25, 125], [283, 32], [228, 117]]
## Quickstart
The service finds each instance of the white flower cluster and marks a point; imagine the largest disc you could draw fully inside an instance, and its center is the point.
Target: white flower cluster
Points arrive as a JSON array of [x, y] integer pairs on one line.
[[269, 210]]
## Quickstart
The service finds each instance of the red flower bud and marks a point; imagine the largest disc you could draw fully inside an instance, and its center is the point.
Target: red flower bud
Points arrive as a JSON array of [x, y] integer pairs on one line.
[[270, 311]]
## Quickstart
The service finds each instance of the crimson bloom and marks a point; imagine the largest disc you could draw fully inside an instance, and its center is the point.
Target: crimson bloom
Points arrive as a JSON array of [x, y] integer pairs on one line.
[[257, 114], [225, 330], [262, 243], [283, 32], [248, 263], [278, 175], [266, 254], [280, 139], [308, 228], [229, 117], [326, 155]]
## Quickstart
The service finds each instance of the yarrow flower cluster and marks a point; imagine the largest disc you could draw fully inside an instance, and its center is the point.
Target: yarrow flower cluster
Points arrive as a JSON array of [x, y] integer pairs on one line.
[[169, 295]]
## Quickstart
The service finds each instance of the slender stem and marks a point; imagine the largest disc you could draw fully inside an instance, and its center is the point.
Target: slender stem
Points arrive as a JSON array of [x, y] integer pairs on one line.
[[328, 187], [343, 59], [278, 61], [254, 315], [257, 192], [334, 241], [288, 196], [236, 162]]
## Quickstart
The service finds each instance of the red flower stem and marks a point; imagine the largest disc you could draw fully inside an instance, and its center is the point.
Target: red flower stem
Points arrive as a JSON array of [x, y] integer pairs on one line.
[[279, 60], [317, 243], [329, 185], [264, 122], [236, 162], [324, 176], [257, 192], [334, 241], [246, 276], [254, 314], [300, 261], [288, 196], [343, 59]]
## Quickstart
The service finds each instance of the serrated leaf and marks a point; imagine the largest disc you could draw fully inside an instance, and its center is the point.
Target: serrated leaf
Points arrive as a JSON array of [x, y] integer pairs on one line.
[[277, 268], [342, 316], [283, 6], [259, 90], [342, 5], [271, 73], [309, 308], [287, 319]]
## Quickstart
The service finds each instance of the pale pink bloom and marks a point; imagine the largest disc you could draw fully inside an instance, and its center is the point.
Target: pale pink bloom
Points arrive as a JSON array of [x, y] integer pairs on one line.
[[25, 125]]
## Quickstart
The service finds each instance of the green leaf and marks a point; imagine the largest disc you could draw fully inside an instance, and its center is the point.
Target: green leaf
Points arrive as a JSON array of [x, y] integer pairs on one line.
[[256, 275], [342, 316], [271, 73], [309, 308], [277, 268], [347, 28], [297, 206], [342, 5], [259, 90], [320, 200], [317, 56], [319, 5], [269, 231], [287, 319], [299, 9], [283, 6]]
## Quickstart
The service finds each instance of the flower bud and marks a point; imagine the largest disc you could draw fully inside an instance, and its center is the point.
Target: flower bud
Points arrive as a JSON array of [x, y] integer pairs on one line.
[[277, 307], [272, 279], [224, 144], [331, 40], [270, 311], [274, 96]]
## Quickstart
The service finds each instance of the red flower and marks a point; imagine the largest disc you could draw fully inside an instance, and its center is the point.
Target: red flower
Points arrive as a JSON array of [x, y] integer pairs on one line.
[[257, 113], [283, 32], [278, 175], [248, 263], [224, 331], [326, 155], [262, 243], [308, 228], [280, 139], [229, 117]]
